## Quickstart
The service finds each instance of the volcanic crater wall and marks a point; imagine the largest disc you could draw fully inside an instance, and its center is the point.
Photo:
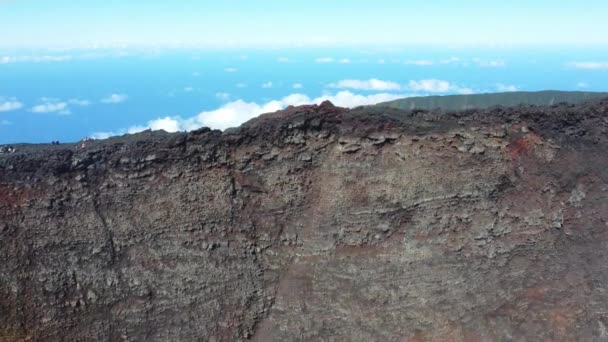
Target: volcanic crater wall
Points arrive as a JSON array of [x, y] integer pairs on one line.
[[315, 223]]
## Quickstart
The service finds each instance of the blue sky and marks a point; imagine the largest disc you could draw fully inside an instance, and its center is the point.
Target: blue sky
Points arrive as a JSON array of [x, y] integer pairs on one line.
[[70, 69], [279, 23]]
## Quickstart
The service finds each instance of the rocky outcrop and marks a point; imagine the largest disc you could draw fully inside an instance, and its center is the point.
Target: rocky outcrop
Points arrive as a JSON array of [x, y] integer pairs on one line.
[[315, 223]]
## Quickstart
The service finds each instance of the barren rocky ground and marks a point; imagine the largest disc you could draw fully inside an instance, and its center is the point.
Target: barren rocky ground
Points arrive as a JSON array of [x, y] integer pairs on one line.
[[316, 223]]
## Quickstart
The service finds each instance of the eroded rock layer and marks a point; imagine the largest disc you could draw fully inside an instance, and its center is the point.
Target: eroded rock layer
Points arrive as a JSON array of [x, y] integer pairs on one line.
[[315, 223]]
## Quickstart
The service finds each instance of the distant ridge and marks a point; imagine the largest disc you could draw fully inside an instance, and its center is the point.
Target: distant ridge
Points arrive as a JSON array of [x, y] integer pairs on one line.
[[482, 101]]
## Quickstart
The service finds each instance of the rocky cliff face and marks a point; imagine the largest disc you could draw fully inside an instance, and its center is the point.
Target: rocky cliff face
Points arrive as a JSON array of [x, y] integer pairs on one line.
[[315, 223]]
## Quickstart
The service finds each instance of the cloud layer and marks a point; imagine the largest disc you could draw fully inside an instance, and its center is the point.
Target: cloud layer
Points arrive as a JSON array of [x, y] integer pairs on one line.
[[114, 98], [416, 86], [506, 87], [372, 84], [325, 60], [430, 86], [421, 62], [9, 105], [79, 102], [234, 113], [332, 60], [34, 59], [590, 65], [480, 62], [51, 107]]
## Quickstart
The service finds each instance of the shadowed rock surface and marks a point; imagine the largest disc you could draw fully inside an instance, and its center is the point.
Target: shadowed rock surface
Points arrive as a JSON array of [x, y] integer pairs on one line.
[[316, 223]]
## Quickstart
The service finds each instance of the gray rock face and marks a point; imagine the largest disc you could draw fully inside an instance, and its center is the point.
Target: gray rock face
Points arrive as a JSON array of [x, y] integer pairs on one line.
[[315, 224]]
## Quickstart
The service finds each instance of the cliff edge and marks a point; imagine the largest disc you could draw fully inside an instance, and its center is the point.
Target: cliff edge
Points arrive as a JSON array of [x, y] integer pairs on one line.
[[316, 223]]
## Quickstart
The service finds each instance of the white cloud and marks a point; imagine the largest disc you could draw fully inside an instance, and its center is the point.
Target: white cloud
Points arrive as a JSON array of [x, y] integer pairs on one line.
[[332, 60], [103, 135], [372, 84], [459, 61], [5, 123], [136, 129], [115, 98], [34, 59], [582, 85], [241, 85], [231, 70], [437, 86], [590, 65], [506, 87], [430, 86], [283, 60], [494, 64], [450, 60], [188, 89], [325, 60], [49, 99], [222, 96], [10, 105], [267, 85], [79, 102], [167, 124], [297, 86], [350, 100], [381, 61], [490, 63], [234, 113], [422, 62], [463, 91], [51, 107]]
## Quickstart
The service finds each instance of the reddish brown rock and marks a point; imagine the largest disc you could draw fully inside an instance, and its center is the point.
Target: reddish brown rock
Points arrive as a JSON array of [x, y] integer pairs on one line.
[[315, 223]]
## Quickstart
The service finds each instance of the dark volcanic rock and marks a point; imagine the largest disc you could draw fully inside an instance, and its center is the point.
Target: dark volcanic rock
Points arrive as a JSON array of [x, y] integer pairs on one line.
[[315, 223]]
